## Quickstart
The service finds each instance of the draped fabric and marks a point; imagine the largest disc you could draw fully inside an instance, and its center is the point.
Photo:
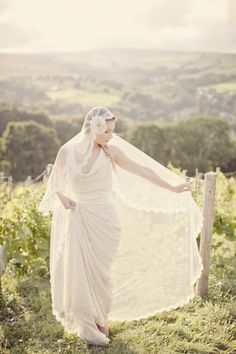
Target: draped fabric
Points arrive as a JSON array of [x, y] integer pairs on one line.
[[80, 278], [158, 251], [128, 250]]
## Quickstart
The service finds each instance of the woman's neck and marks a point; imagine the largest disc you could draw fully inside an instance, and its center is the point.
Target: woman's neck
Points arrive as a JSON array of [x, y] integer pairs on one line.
[[97, 146]]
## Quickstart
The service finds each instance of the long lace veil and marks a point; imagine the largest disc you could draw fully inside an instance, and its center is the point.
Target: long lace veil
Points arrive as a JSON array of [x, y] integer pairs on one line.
[[157, 262]]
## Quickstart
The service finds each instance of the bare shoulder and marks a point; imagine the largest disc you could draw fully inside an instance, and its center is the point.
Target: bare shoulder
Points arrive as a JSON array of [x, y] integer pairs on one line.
[[114, 150], [62, 150]]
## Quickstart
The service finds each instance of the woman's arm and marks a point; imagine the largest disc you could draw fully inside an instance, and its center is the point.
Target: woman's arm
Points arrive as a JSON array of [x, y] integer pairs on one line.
[[133, 167], [66, 201], [58, 180]]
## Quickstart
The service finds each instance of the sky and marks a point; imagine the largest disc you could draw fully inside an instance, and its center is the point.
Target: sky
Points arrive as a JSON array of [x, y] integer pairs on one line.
[[80, 25]]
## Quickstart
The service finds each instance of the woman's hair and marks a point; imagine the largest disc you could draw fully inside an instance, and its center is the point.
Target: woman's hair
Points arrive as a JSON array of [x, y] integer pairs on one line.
[[112, 118]]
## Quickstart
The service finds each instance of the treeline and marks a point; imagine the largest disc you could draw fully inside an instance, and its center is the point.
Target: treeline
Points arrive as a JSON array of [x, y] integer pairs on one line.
[[29, 141], [203, 143]]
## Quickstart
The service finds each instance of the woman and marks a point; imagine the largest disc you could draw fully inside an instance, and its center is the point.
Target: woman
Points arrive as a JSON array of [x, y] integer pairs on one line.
[[102, 187]]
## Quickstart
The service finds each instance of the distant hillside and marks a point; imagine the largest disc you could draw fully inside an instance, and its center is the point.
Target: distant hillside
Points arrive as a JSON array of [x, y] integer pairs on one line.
[[136, 84]]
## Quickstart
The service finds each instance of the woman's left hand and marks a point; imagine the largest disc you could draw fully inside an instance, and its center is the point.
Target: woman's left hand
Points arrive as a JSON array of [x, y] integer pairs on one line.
[[183, 187]]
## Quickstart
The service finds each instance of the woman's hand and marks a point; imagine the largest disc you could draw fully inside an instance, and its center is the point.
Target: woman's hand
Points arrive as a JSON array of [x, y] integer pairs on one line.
[[183, 187], [66, 201]]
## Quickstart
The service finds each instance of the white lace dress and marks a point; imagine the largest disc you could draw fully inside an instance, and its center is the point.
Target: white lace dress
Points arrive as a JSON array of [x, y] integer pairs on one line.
[[81, 285]]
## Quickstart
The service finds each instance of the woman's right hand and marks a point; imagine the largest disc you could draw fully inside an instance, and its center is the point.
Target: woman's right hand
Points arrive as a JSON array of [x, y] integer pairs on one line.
[[66, 201]]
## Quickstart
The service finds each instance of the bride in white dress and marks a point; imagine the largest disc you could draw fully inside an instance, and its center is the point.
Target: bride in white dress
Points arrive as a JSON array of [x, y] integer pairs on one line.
[[100, 188]]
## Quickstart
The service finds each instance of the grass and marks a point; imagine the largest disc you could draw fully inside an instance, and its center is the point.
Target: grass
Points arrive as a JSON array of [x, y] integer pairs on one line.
[[205, 325]]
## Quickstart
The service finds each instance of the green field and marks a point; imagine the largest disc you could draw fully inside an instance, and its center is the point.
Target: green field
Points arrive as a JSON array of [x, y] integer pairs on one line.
[[84, 97], [158, 84], [229, 87]]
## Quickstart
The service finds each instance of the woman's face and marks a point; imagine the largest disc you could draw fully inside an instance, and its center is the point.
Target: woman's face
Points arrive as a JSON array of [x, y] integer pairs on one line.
[[103, 138]]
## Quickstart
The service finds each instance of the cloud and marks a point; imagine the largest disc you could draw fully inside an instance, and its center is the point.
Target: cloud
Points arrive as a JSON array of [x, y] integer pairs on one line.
[[13, 35], [219, 33], [231, 28], [191, 25], [158, 24], [3, 6], [163, 14]]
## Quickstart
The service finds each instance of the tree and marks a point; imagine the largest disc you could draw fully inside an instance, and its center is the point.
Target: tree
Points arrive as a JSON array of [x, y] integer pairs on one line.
[[151, 139], [67, 129], [202, 143], [28, 147], [8, 114]]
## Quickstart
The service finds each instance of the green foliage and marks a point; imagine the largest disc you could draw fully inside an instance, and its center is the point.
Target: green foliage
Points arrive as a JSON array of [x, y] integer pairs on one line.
[[225, 193], [66, 129], [25, 232], [27, 147], [225, 208], [203, 143], [12, 114], [151, 139], [225, 224], [177, 170]]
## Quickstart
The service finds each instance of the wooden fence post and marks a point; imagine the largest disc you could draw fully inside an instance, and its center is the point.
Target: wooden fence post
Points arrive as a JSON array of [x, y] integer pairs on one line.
[[2, 259], [27, 181], [206, 233], [47, 171], [1, 177], [2, 266], [10, 186]]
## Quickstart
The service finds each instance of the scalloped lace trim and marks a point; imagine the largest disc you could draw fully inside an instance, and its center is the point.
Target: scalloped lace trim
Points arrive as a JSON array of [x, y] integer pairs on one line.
[[73, 326]]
